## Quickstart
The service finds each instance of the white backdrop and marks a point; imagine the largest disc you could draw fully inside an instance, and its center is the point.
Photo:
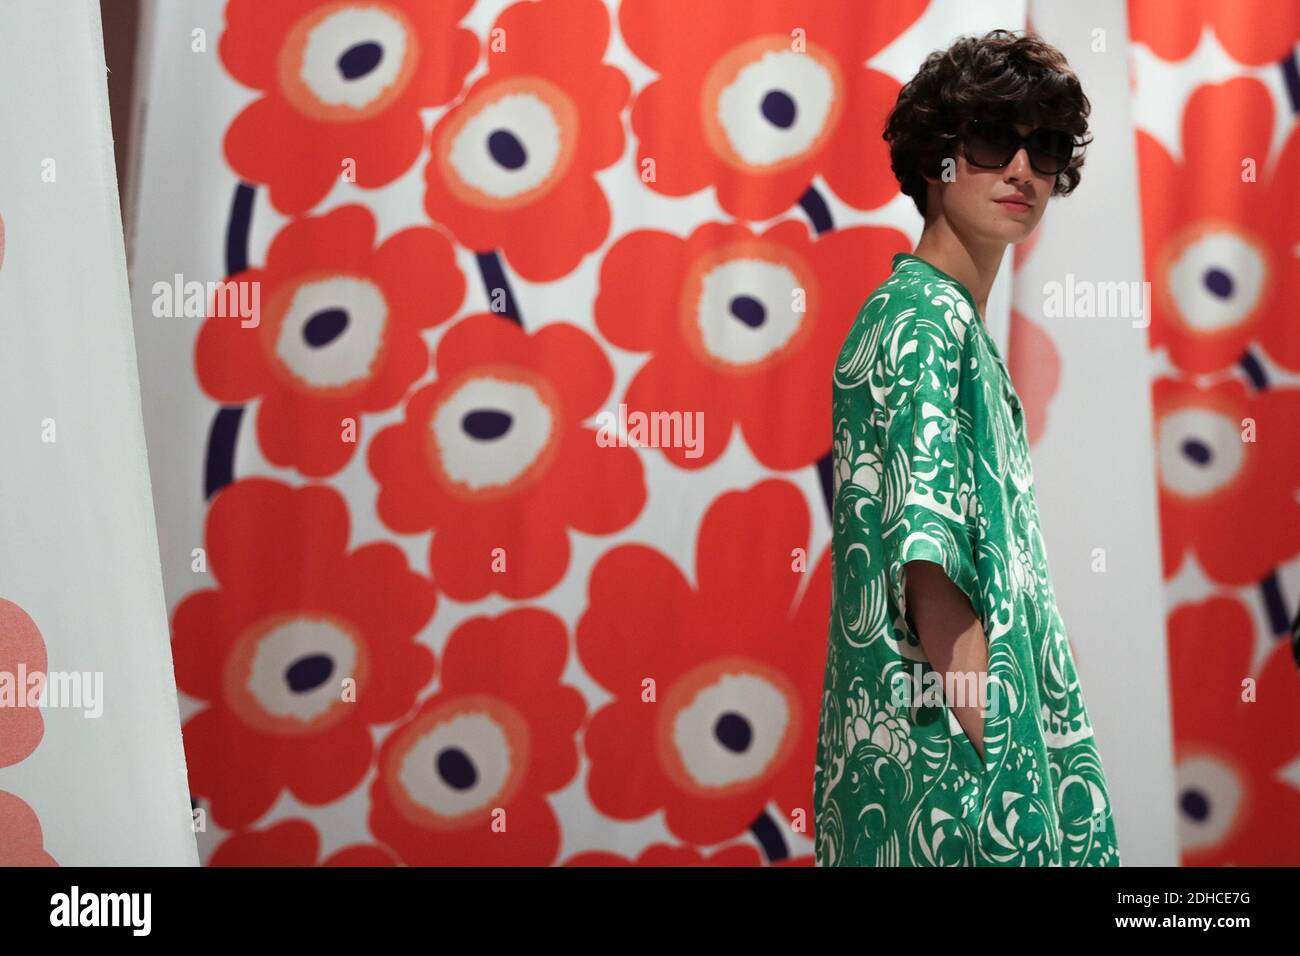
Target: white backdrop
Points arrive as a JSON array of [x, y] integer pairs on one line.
[[78, 550], [1094, 465]]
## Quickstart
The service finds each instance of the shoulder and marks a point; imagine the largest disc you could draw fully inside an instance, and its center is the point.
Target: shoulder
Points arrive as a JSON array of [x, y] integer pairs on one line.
[[923, 310]]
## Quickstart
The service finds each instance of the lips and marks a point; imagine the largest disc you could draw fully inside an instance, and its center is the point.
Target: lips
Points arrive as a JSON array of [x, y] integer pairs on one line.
[[1018, 205]]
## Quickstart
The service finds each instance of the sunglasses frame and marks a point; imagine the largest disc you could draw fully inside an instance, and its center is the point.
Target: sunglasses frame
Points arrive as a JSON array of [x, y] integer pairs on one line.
[[1022, 142]]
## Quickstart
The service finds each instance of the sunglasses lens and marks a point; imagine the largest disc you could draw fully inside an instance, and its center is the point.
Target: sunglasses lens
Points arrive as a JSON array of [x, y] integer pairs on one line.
[[993, 145], [1050, 150]]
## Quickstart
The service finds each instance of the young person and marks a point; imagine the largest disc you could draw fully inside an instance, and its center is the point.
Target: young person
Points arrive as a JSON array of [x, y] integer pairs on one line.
[[953, 729]]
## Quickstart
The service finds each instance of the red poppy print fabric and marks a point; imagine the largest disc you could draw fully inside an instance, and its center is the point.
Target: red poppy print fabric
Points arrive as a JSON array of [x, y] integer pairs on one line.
[[785, 284], [725, 662], [301, 649], [1219, 157], [498, 435], [292, 843], [22, 653], [512, 165], [504, 534], [337, 332], [754, 101], [494, 456], [339, 82]]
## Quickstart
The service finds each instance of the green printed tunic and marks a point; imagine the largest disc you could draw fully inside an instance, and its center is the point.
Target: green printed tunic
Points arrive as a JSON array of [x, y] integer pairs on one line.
[[931, 463]]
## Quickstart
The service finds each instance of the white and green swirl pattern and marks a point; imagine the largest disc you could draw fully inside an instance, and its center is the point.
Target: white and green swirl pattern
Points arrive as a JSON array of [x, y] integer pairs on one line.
[[931, 462]]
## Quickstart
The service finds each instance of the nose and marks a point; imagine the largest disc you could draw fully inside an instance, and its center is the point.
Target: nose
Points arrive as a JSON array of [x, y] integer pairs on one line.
[[1019, 167]]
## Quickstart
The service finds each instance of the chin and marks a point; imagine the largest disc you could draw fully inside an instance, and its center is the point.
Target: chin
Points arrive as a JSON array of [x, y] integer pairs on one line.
[[1018, 231], [1010, 233]]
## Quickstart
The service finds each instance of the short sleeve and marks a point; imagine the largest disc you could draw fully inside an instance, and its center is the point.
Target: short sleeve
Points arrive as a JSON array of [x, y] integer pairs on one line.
[[927, 452]]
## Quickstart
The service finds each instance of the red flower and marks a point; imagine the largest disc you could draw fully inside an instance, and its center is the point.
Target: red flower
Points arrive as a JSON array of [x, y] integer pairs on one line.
[[513, 164], [1219, 250], [1032, 356], [464, 782], [743, 329], [1228, 478], [662, 854], [292, 843], [1020, 252], [1254, 32], [494, 457], [339, 334], [302, 647], [1035, 364], [21, 840], [736, 665], [1230, 748], [342, 81], [758, 99], [22, 658]]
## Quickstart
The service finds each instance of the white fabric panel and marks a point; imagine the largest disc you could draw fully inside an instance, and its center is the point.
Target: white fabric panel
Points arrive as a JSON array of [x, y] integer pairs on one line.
[[78, 548], [1094, 466]]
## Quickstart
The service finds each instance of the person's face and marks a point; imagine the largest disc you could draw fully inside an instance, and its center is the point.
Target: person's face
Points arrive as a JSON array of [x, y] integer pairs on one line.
[[977, 201]]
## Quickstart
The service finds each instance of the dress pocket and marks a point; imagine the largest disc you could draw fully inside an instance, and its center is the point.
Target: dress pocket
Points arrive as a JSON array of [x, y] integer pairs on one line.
[[962, 744]]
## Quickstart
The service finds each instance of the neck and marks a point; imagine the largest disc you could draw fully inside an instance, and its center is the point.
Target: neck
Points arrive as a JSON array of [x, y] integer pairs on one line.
[[972, 263]]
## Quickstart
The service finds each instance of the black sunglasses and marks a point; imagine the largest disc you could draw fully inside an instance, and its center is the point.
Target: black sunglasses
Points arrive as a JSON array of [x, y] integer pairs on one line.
[[991, 145]]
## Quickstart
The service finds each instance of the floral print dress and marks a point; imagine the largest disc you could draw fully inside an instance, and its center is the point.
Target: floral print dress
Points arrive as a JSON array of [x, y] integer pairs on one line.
[[932, 463]]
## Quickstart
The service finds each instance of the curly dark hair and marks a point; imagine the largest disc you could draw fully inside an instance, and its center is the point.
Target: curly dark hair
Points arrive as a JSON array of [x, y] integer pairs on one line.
[[1001, 76]]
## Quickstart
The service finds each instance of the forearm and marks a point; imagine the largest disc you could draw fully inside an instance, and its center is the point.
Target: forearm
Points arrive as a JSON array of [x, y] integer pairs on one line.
[[953, 639]]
